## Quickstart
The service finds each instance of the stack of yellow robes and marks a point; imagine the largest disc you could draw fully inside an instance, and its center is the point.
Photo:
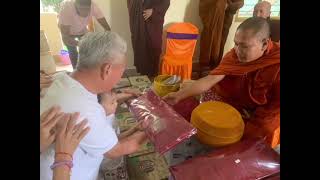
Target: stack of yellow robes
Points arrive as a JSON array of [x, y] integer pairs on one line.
[[218, 123]]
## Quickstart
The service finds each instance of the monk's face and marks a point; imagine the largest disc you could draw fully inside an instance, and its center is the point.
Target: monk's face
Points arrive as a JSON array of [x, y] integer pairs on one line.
[[262, 10], [249, 47]]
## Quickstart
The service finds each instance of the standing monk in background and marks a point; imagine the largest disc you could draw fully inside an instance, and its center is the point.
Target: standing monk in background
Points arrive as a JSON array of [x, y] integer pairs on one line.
[[217, 17], [146, 26]]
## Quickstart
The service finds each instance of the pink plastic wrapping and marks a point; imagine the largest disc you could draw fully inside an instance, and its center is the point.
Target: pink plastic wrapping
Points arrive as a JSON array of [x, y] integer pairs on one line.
[[164, 127], [246, 160], [186, 106]]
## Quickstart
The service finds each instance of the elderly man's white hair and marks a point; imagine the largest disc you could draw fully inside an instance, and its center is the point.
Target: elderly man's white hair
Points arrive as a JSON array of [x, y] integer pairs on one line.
[[266, 4], [96, 48]]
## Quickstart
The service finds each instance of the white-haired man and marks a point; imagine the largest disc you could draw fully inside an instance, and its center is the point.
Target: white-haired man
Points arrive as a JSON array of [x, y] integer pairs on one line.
[[262, 9], [102, 61]]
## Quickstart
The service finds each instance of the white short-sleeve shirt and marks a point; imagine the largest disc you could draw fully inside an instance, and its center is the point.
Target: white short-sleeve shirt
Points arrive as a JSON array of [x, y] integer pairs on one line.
[[71, 96]]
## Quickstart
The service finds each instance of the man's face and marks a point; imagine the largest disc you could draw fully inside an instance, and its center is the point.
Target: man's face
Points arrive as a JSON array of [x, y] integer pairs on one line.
[[112, 72], [83, 10], [261, 10], [249, 47]]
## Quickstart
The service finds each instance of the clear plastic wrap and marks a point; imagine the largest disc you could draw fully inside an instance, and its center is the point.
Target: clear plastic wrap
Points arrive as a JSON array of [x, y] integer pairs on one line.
[[247, 160], [164, 127]]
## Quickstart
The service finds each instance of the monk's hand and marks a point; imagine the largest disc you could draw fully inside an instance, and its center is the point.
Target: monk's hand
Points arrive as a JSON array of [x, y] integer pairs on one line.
[[172, 98], [147, 14]]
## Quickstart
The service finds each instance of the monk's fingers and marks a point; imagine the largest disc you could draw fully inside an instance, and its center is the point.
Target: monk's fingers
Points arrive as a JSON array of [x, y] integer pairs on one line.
[[83, 133], [79, 127]]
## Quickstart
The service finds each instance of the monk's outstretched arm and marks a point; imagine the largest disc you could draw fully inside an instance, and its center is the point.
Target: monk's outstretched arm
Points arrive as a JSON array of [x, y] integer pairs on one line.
[[200, 86]]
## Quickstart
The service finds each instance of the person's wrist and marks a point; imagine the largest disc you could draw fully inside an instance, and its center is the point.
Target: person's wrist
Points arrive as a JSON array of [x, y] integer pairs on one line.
[[63, 157], [42, 147]]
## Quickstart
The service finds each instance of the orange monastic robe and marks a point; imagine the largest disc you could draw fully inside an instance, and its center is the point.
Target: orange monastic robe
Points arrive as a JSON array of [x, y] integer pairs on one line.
[[216, 17], [255, 88]]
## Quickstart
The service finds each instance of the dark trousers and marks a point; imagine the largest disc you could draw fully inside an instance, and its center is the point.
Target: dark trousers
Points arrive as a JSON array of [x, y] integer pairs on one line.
[[73, 52]]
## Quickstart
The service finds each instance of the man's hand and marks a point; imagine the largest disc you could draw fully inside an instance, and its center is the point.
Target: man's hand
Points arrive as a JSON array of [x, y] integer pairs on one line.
[[132, 92], [147, 14], [48, 121], [126, 94]]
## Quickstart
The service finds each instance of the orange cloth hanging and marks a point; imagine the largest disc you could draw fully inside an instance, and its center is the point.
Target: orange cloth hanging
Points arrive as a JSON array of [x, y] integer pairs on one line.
[[180, 46]]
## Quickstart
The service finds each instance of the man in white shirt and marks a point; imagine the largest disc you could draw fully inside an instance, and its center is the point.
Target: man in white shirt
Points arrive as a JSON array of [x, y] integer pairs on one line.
[[101, 64]]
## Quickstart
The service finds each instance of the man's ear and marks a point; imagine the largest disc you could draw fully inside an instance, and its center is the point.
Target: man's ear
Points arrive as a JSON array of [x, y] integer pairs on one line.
[[105, 70], [265, 43]]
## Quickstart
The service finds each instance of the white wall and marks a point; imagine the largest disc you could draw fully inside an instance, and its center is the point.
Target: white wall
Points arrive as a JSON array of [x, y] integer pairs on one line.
[[48, 23], [230, 43]]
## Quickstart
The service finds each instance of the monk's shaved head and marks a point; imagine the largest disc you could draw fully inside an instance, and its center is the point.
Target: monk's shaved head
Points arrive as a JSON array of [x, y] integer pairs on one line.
[[255, 26], [262, 9], [252, 39]]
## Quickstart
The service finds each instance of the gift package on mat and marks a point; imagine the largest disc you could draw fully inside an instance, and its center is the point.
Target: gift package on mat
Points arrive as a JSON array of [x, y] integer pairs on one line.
[[246, 160], [146, 148], [147, 167], [124, 82], [114, 169], [142, 88], [139, 80], [125, 121], [164, 127]]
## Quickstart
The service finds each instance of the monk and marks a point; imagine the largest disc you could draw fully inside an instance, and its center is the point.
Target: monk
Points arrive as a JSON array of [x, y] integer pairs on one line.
[[146, 19], [248, 78], [217, 17], [263, 9]]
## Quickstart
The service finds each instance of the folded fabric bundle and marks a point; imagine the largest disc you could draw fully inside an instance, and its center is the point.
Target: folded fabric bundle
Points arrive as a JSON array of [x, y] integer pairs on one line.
[[164, 127], [247, 160]]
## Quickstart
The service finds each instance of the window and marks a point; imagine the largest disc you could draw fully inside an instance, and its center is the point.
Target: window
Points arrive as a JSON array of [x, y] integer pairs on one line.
[[50, 5], [247, 9]]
